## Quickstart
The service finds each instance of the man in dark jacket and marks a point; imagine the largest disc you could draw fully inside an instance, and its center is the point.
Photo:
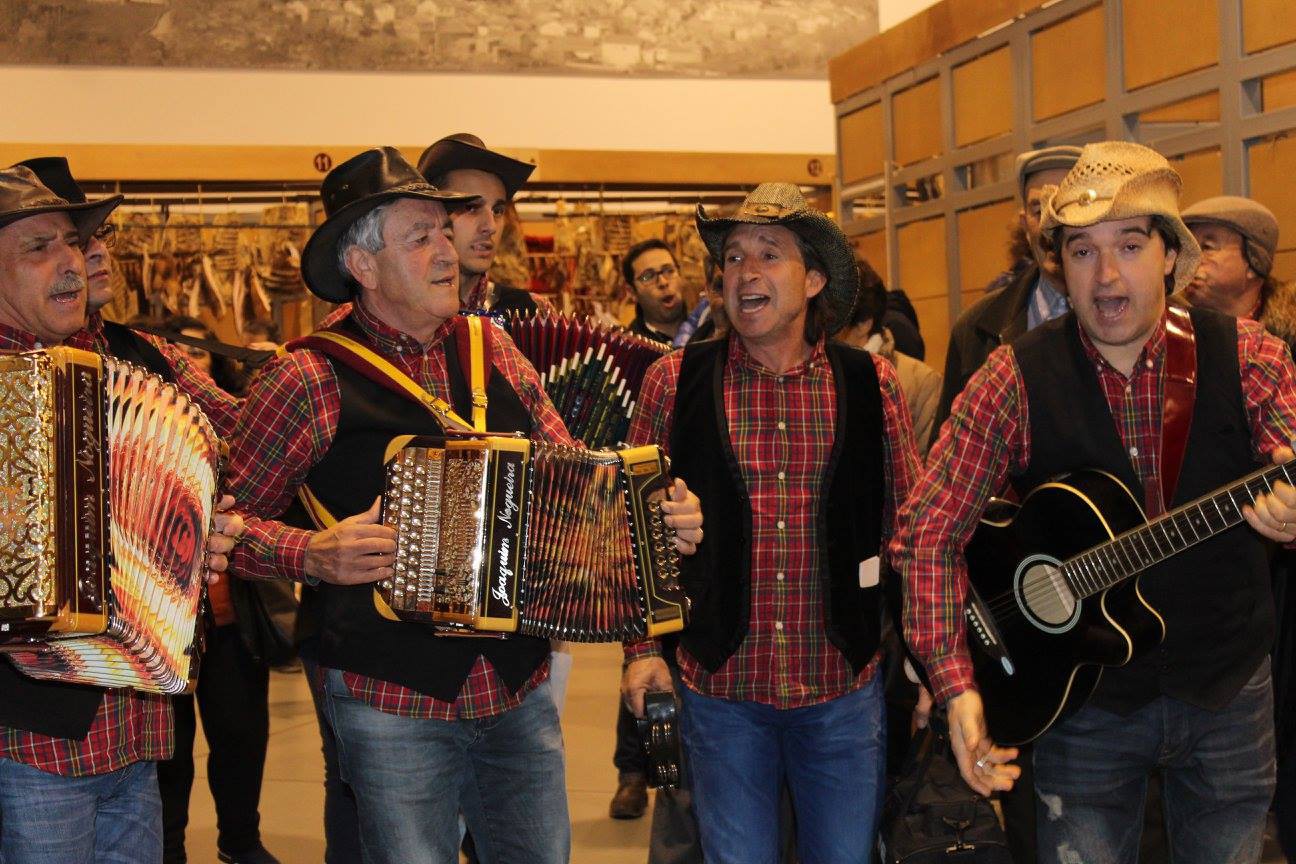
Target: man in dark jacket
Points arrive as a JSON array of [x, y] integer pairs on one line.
[[1020, 299]]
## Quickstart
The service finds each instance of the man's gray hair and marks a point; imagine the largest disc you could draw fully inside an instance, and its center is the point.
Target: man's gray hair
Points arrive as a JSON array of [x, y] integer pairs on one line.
[[367, 233]]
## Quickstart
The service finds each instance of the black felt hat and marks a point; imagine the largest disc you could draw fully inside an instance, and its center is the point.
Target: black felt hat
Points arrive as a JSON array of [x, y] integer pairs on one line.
[[45, 185], [465, 150], [350, 191]]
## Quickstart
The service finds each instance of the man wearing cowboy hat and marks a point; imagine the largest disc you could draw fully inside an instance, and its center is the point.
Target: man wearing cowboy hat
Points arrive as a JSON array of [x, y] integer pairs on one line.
[[462, 163], [1086, 391], [77, 774], [427, 726], [801, 450]]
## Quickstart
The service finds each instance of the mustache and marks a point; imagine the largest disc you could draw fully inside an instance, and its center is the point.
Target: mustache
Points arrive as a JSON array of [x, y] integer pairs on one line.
[[68, 283]]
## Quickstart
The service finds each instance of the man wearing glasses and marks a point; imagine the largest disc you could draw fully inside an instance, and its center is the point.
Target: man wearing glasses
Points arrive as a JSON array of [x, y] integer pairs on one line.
[[653, 281]]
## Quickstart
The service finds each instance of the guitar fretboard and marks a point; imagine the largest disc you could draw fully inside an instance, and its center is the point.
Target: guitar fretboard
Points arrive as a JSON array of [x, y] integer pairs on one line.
[[1131, 553]]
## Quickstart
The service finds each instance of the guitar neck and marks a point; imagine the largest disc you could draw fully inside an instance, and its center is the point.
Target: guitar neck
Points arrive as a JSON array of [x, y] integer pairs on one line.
[[1129, 554]]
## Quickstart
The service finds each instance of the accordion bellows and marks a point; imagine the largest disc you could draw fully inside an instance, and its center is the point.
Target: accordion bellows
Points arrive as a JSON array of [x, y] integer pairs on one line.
[[109, 478], [501, 535], [590, 371]]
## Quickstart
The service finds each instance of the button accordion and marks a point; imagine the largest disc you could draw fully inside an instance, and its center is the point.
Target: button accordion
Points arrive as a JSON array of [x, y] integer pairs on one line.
[[505, 535], [590, 371], [108, 481]]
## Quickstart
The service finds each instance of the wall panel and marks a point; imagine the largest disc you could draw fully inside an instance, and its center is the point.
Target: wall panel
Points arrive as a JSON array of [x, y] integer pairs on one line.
[[916, 119], [863, 148], [982, 107], [1058, 85], [1163, 40]]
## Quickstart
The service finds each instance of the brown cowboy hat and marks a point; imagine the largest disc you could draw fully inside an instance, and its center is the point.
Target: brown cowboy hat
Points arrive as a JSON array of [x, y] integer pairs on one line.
[[465, 150], [350, 191], [783, 204], [24, 192]]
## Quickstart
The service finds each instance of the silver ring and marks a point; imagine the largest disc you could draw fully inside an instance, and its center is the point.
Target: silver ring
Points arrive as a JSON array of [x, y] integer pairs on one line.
[[981, 763]]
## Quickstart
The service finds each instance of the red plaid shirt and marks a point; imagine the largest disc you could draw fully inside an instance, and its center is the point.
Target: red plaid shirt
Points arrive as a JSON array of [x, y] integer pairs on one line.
[[129, 726], [987, 438], [287, 426], [781, 431], [221, 408]]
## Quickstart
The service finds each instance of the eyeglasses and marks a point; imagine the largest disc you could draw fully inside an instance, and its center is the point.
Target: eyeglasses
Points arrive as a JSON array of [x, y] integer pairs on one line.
[[648, 277], [106, 234]]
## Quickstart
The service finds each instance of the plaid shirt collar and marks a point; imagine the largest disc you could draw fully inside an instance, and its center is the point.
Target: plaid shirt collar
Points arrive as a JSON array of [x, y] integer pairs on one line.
[[388, 340], [741, 358], [1153, 348], [17, 339]]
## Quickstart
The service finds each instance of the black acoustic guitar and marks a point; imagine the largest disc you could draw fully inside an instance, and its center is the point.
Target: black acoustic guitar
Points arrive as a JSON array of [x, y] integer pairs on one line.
[[1053, 593]]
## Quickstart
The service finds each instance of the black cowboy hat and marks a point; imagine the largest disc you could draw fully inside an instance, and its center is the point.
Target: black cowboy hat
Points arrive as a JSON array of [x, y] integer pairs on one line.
[[465, 150], [45, 185], [350, 191], [783, 204]]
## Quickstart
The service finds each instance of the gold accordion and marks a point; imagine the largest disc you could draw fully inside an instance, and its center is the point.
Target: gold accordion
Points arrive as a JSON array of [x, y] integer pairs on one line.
[[503, 535], [108, 481]]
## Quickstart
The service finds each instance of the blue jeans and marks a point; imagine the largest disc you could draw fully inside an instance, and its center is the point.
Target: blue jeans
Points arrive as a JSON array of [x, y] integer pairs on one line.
[[412, 778], [1218, 768], [831, 755], [113, 818]]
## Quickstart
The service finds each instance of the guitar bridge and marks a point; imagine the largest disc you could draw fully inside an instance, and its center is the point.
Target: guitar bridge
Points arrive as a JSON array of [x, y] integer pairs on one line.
[[982, 625]]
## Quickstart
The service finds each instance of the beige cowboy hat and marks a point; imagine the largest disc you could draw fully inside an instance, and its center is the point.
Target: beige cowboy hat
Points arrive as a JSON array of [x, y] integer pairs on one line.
[[1115, 180]]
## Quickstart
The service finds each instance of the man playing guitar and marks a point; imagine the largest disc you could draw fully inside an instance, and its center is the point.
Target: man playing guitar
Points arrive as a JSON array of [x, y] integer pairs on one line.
[[1088, 392]]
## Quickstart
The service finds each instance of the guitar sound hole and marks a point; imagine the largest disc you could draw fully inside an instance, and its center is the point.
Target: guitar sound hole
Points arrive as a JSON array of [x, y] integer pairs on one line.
[[1045, 593]]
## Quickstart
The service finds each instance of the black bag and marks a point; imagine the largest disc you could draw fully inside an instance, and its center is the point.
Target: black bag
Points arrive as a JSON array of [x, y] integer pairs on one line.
[[932, 816], [264, 611]]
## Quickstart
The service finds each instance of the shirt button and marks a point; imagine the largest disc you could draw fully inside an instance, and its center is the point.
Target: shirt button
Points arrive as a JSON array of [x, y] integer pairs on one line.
[[782, 475], [782, 426], [780, 524], [780, 576], [1148, 363], [778, 625], [1133, 451]]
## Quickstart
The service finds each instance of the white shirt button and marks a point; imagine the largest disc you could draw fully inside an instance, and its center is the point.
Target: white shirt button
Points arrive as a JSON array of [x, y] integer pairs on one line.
[[781, 425], [780, 576], [1133, 451], [1148, 363], [782, 475], [778, 625], [780, 524]]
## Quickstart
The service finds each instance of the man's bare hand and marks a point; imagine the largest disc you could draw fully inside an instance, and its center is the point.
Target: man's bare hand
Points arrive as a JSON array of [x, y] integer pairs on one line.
[[984, 766], [1274, 513], [684, 513], [355, 551], [226, 529], [645, 675]]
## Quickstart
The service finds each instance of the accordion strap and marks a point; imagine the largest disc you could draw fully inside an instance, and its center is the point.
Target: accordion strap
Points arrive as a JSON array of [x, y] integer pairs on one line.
[[380, 370]]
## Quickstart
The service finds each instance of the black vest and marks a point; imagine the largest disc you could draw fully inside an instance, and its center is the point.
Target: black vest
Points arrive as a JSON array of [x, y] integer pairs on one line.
[[718, 578], [47, 707], [352, 635], [1215, 598]]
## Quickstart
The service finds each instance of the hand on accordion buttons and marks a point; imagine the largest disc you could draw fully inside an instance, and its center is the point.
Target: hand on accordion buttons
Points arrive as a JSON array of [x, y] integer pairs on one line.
[[227, 527], [354, 551], [644, 675], [684, 513]]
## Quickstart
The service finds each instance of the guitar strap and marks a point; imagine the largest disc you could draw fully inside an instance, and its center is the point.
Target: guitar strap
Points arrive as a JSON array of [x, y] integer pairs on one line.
[[1180, 397]]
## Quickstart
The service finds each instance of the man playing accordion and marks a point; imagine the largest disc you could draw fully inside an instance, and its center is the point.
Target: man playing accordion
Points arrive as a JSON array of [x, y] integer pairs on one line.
[[77, 772], [428, 726]]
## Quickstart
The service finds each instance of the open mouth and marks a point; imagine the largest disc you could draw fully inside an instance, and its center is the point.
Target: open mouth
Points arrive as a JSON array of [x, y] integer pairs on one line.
[[1111, 307], [750, 303], [483, 248]]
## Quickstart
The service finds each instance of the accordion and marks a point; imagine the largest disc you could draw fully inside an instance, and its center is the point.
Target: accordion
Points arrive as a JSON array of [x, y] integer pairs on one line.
[[591, 372], [109, 479], [504, 535]]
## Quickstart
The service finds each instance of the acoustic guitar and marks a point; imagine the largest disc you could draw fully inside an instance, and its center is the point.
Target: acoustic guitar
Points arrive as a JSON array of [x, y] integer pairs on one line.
[[1053, 594]]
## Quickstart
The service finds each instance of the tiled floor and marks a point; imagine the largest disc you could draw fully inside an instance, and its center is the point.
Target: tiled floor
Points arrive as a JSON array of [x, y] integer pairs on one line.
[[292, 800]]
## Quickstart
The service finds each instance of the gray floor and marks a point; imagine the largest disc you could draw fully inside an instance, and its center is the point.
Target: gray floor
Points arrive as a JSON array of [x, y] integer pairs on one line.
[[292, 799]]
